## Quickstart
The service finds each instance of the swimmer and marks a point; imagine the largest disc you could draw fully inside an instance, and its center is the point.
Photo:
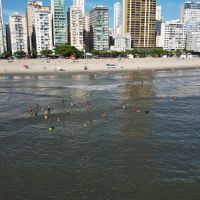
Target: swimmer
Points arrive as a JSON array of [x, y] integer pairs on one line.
[[30, 110], [58, 120], [124, 107], [146, 112], [103, 115], [63, 101], [46, 117], [84, 125], [51, 129]]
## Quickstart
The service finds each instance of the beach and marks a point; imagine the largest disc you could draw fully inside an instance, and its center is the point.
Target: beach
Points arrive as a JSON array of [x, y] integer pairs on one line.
[[66, 66]]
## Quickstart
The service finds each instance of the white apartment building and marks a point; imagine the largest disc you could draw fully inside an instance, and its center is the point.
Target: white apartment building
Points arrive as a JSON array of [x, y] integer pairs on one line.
[[81, 4], [117, 19], [86, 32], [173, 36], [2, 45], [190, 12], [122, 42], [43, 28], [18, 32], [76, 22], [158, 13], [190, 16], [193, 41]]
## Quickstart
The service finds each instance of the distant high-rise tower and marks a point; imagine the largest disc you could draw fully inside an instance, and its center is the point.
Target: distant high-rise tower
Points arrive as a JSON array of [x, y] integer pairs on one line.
[[75, 27], [18, 32], [117, 19], [81, 4], [158, 13], [31, 8], [2, 47], [139, 19], [99, 28], [58, 21]]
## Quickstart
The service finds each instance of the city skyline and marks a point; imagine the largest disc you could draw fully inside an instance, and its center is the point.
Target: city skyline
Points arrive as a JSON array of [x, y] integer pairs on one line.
[[170, 10]]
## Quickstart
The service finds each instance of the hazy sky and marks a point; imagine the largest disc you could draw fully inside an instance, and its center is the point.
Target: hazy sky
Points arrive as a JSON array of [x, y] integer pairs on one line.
[[171, 8]]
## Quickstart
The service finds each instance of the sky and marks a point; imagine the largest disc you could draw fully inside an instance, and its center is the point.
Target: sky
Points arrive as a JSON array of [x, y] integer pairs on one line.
[[170, 8]]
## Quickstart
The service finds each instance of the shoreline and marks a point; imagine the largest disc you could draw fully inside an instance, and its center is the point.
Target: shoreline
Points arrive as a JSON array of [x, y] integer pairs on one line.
[[41, 67]]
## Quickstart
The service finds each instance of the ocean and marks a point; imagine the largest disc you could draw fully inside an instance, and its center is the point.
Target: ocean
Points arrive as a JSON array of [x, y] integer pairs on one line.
[[125, 136]]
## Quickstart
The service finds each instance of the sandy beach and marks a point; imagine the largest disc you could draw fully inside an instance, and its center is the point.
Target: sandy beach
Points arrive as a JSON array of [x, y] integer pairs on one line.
[[65, 66]]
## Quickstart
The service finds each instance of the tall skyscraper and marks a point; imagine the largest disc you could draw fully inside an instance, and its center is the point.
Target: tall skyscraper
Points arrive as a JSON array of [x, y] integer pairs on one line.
[[75, 27], [99, 28], [117, 19], [86, 32], [8, 39], [58, 21], [32, 6], [2, 47], [43, 29], [190, 12], [139, 19], [81, 4], [190, 17], [158, 13], [18, 33]]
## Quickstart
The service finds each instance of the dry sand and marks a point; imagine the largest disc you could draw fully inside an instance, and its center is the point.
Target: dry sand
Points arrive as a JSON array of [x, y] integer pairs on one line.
[[65, 66]]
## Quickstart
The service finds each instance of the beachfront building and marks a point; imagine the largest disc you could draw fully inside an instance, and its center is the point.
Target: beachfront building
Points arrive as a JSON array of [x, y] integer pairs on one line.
[[18, 32], [81, 4], [117, 19], [86, 31], [193, 41], [31, 6], [139, 19], [99, 28], [75, 27], [173, 35], [58, 22], [2, 45], [43, 28], [8, 39], [122, 42], [190, 12], [190, 17]]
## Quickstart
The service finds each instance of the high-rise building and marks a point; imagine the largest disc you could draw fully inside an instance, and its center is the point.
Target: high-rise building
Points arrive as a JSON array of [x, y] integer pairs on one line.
[[8, 39], [58, 21], [190, 12], [43, 28], [18, 32], [139, 19], [158, 13], [32, 6], [75, 27], [117, 19], [2, 46], [173, 35], [190, 17], [86, 31], [99, 28], [81, 4]]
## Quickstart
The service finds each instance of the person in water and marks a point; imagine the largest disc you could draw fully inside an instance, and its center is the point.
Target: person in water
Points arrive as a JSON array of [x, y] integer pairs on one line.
[[51, 129], [63, 101]]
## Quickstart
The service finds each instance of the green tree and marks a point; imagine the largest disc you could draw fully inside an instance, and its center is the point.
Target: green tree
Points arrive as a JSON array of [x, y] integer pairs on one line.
[[46, 52], [67, 50], [19, 54], [34, 53], [6, 54]]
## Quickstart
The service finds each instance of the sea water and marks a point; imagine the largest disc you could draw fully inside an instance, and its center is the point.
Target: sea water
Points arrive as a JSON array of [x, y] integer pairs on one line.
[[120, 137]]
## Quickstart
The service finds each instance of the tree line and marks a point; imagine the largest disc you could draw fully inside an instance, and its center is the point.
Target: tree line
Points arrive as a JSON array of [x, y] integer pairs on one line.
[[66, 50]]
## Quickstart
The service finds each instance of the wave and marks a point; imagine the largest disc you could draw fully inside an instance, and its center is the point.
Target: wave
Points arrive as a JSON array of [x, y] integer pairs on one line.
[[95, 87]]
